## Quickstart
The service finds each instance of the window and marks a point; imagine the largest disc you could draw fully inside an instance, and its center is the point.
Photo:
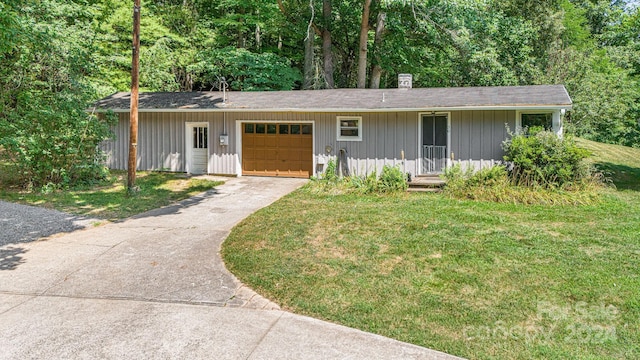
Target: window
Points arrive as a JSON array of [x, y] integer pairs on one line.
[[200, 137], [529, 120], [349, 128], [277, 128]]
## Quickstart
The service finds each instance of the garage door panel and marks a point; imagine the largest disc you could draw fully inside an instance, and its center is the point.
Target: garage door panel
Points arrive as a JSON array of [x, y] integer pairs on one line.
[[259, 141], [272, 165], [297, 165], [295, 142], [249, 165], [248, 153], [285, 155], [298, 156], [269, 153], [288, 152], [271, 141], [259, 155]]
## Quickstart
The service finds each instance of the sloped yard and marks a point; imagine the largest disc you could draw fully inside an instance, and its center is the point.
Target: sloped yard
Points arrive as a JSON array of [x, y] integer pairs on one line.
[[474, 279]]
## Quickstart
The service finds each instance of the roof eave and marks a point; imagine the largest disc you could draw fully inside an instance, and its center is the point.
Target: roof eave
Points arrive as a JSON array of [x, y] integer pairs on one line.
[[359, 110]]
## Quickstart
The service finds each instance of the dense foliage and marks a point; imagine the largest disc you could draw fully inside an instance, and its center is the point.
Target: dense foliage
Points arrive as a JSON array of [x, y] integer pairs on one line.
[[81, 49], [45, 131], [544, 159], [539, 168]]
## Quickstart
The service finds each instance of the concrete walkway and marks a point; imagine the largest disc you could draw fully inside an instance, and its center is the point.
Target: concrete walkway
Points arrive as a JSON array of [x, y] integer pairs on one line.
[[154, 286]]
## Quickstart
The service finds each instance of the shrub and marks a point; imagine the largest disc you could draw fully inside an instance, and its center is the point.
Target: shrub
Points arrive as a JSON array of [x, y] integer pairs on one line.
[[392, 179], [460, 182], [330, 173], [542, 158], [365, 184], [52, 142], [495, 184]]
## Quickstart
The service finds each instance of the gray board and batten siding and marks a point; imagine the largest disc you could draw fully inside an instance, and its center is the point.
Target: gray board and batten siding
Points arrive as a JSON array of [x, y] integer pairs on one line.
[[161, 140], [476, 138], [391, 124]]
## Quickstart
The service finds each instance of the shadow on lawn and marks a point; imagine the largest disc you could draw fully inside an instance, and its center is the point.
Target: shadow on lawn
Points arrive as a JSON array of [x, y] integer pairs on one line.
[[10, 257], [623, 176], [176, 207]]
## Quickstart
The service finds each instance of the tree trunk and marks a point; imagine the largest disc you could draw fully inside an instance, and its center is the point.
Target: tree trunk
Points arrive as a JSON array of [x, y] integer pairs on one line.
[[364, 39], [309, 56], [327, 46], [258, 38], [376, 69], [241, 42]]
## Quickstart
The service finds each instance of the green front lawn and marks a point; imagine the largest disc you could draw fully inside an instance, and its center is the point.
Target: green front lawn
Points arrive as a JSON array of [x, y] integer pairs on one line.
[[474, 279], [109, 200]]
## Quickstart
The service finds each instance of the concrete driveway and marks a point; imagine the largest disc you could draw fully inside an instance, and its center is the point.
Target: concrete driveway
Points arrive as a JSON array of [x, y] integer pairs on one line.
[[154, 286]]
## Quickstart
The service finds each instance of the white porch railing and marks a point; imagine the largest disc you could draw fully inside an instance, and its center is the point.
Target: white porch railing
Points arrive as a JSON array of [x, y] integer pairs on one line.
[[434, 159]]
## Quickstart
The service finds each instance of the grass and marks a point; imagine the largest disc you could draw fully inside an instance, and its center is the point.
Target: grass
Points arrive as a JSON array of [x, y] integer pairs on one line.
[[620, 163], [475, 279], [109, 200]]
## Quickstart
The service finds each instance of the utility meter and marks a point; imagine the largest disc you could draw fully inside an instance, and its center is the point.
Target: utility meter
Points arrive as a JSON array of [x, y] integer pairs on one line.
[[224, 140]]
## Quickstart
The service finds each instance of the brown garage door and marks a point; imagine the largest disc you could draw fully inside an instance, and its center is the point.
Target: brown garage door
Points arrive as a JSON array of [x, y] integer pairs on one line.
[[277, 149]]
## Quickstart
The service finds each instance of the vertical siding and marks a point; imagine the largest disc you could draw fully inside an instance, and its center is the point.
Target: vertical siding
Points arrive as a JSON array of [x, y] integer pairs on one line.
[[222, 159], [476, 138], [116, 150], [384, 136], [161, 141]]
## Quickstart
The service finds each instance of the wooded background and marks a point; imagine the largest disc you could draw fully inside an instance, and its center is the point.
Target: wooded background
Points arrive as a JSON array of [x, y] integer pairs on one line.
[[57, 56]]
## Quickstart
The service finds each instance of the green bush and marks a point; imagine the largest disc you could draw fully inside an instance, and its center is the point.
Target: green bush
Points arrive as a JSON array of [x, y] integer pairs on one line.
[[51, 142], [392, 179], [459, 181], [540, 158], [331, 173], [495, 184]]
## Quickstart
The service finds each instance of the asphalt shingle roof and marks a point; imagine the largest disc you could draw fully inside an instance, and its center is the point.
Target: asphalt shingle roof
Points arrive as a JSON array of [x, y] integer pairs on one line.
[[348, 99]]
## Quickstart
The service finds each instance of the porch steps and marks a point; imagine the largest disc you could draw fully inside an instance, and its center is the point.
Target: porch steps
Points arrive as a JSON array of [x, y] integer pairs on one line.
[[426, 183]]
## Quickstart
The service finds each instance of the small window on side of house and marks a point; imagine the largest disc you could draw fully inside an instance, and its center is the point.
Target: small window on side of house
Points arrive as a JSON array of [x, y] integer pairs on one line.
[[349, 128], [531, 120]]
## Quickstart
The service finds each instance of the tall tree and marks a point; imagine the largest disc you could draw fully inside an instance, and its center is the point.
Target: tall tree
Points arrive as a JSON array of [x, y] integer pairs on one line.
[[327, 43], [376, 68], [363, 44], [309, 55]]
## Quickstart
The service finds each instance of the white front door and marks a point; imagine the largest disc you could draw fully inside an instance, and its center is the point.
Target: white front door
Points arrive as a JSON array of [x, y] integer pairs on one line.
[[197, 143]]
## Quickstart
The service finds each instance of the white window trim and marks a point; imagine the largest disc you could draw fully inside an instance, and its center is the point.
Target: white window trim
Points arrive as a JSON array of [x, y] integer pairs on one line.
[[556, 119], [339, 127]]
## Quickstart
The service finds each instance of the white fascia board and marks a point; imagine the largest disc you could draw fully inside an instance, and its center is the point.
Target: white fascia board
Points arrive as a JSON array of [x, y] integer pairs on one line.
[[344, 110]]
